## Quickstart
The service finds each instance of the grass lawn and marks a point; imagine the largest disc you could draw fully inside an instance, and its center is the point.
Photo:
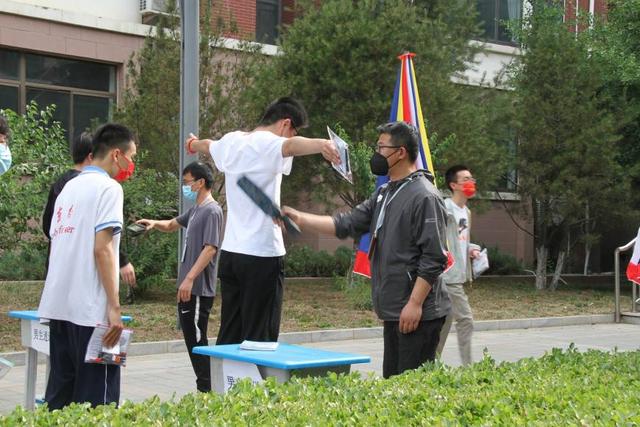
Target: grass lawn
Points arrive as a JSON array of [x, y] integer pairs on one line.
[[318, 304]]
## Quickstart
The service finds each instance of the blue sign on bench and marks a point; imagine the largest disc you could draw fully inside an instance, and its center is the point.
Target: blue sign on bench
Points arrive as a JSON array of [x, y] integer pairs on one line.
[[229, 363]]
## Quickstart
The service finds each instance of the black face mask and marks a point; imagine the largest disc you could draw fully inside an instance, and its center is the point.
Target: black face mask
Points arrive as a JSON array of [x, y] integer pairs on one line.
[[379, 165]]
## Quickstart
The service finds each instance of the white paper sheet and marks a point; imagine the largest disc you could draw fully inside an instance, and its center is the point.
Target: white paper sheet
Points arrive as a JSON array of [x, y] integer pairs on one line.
[[344, 168]]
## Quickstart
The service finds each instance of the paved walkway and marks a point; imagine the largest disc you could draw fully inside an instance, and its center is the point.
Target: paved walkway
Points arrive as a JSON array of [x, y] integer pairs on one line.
[[170, 375]]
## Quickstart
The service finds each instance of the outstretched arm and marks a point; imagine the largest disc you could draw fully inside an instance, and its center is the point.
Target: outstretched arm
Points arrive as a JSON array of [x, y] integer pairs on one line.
[[301, 146], [321, 223], [167, 225]]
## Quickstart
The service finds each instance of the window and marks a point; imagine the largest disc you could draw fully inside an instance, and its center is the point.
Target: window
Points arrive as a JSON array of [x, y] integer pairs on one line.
[[83, 92], [267, 21], [509, 181], [494, 16]]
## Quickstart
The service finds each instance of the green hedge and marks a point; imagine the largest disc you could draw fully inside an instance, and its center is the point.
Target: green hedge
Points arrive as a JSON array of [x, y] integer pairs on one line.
[[302, 261], [561, 388]]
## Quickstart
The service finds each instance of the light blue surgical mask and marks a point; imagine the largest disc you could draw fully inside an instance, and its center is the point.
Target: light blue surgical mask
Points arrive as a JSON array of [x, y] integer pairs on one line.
[[5, 158], [188, 193]]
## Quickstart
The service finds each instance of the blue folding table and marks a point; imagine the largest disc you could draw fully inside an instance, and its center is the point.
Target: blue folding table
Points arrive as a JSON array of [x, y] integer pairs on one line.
[[228, 362], [35, 339]]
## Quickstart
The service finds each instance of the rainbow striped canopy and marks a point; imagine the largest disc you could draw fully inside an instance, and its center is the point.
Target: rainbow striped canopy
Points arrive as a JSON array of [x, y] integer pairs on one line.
[[404, 107]]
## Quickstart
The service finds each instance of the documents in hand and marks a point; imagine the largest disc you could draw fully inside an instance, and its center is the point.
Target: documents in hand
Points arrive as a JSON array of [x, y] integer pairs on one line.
[[265, 204], [97, 353], [344, 168], [258, 346]]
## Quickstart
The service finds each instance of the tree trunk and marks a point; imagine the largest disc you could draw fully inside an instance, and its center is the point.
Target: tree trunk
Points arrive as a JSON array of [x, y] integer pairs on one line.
[[556, 274], [350, 275], [541, 267], [587, 256], [587, 239]]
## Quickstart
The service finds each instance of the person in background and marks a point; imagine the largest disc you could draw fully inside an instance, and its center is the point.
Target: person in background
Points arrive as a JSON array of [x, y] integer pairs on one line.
[[198, 266], [463, 187], [5, 152], [81, 147]]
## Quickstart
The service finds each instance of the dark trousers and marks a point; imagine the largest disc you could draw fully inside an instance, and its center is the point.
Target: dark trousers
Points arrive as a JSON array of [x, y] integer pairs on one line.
[[252, 289], [194, 319], [73, 380], [409, 351]]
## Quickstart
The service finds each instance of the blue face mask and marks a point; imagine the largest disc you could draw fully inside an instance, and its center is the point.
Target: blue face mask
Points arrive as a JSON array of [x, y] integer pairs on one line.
[[188, 193], [5, 158]]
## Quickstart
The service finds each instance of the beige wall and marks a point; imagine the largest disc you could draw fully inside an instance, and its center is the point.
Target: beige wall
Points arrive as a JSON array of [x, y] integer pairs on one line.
[[495, 228]]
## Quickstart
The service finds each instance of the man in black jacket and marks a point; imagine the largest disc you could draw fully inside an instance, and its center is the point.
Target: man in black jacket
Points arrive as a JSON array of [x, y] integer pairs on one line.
[[407, 220], [81, 153]]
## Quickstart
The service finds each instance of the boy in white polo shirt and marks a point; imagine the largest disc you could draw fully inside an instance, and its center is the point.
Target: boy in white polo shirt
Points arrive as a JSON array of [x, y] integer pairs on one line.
[[81, 289], [251, 267]]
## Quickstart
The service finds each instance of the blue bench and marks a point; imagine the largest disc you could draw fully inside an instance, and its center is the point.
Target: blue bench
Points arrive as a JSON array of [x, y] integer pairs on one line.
[[229, 363], [35, 339]]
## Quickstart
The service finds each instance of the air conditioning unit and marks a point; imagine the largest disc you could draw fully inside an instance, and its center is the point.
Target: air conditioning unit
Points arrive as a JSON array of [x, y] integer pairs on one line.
[[151, 9]]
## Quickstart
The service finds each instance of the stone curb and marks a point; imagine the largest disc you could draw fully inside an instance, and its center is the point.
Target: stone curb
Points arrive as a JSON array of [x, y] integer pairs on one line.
[[177, 346]]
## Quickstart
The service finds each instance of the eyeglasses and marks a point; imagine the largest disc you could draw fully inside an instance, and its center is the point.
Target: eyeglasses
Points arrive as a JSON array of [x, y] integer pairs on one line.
[[467, 179], [378, 147], [189, 182]]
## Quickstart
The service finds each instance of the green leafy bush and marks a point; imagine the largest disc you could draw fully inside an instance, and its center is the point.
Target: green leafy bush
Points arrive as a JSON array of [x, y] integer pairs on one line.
[[153, 195], [40, 154], [26, 263], [503, 264], [302, 261], [560, 388]]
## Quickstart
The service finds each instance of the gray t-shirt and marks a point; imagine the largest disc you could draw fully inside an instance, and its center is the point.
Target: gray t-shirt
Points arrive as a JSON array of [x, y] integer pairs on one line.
[[203, 227]]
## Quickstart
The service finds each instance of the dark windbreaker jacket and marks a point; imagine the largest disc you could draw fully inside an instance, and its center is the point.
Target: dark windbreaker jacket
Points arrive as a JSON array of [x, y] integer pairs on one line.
[[410, 244]]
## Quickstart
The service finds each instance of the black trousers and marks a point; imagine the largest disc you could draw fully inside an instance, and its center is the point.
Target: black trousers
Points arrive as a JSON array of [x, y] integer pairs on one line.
[[73, 380], [252, 289], [409, 351], [194, 320]]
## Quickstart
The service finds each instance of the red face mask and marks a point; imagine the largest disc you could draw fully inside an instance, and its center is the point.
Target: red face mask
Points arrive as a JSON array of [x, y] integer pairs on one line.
[[469, 188], [125, 174]]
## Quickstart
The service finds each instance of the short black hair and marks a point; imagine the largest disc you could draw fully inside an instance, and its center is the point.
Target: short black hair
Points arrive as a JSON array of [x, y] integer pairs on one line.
[[451, 175], [285, 108], [110, 136], [4, 127], [81, 147], [200, 170], [402, 135]]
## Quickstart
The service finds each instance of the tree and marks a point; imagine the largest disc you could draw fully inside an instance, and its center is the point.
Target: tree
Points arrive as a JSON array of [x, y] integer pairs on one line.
[[40, 154], [567, 140], [340, 59], [151, 101]]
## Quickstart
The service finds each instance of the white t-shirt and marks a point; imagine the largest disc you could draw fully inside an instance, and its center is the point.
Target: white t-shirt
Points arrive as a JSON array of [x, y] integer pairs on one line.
[[462, 220], [73, 291], [258, 155]]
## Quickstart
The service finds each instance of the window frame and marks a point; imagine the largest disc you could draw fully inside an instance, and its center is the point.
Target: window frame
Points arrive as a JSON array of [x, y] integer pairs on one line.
[[23, 85]]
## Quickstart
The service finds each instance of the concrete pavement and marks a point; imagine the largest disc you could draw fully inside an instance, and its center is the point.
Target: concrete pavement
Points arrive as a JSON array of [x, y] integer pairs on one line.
[[169, 375]]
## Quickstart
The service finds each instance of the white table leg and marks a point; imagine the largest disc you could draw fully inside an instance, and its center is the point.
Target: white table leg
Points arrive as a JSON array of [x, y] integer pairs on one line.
[[31, 371]]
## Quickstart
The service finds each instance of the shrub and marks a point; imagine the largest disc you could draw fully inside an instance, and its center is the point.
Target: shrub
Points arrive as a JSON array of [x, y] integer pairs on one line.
[[23, 264], [560, 388], [40, 155], [302, 261], [153, 195], [502, 263]]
